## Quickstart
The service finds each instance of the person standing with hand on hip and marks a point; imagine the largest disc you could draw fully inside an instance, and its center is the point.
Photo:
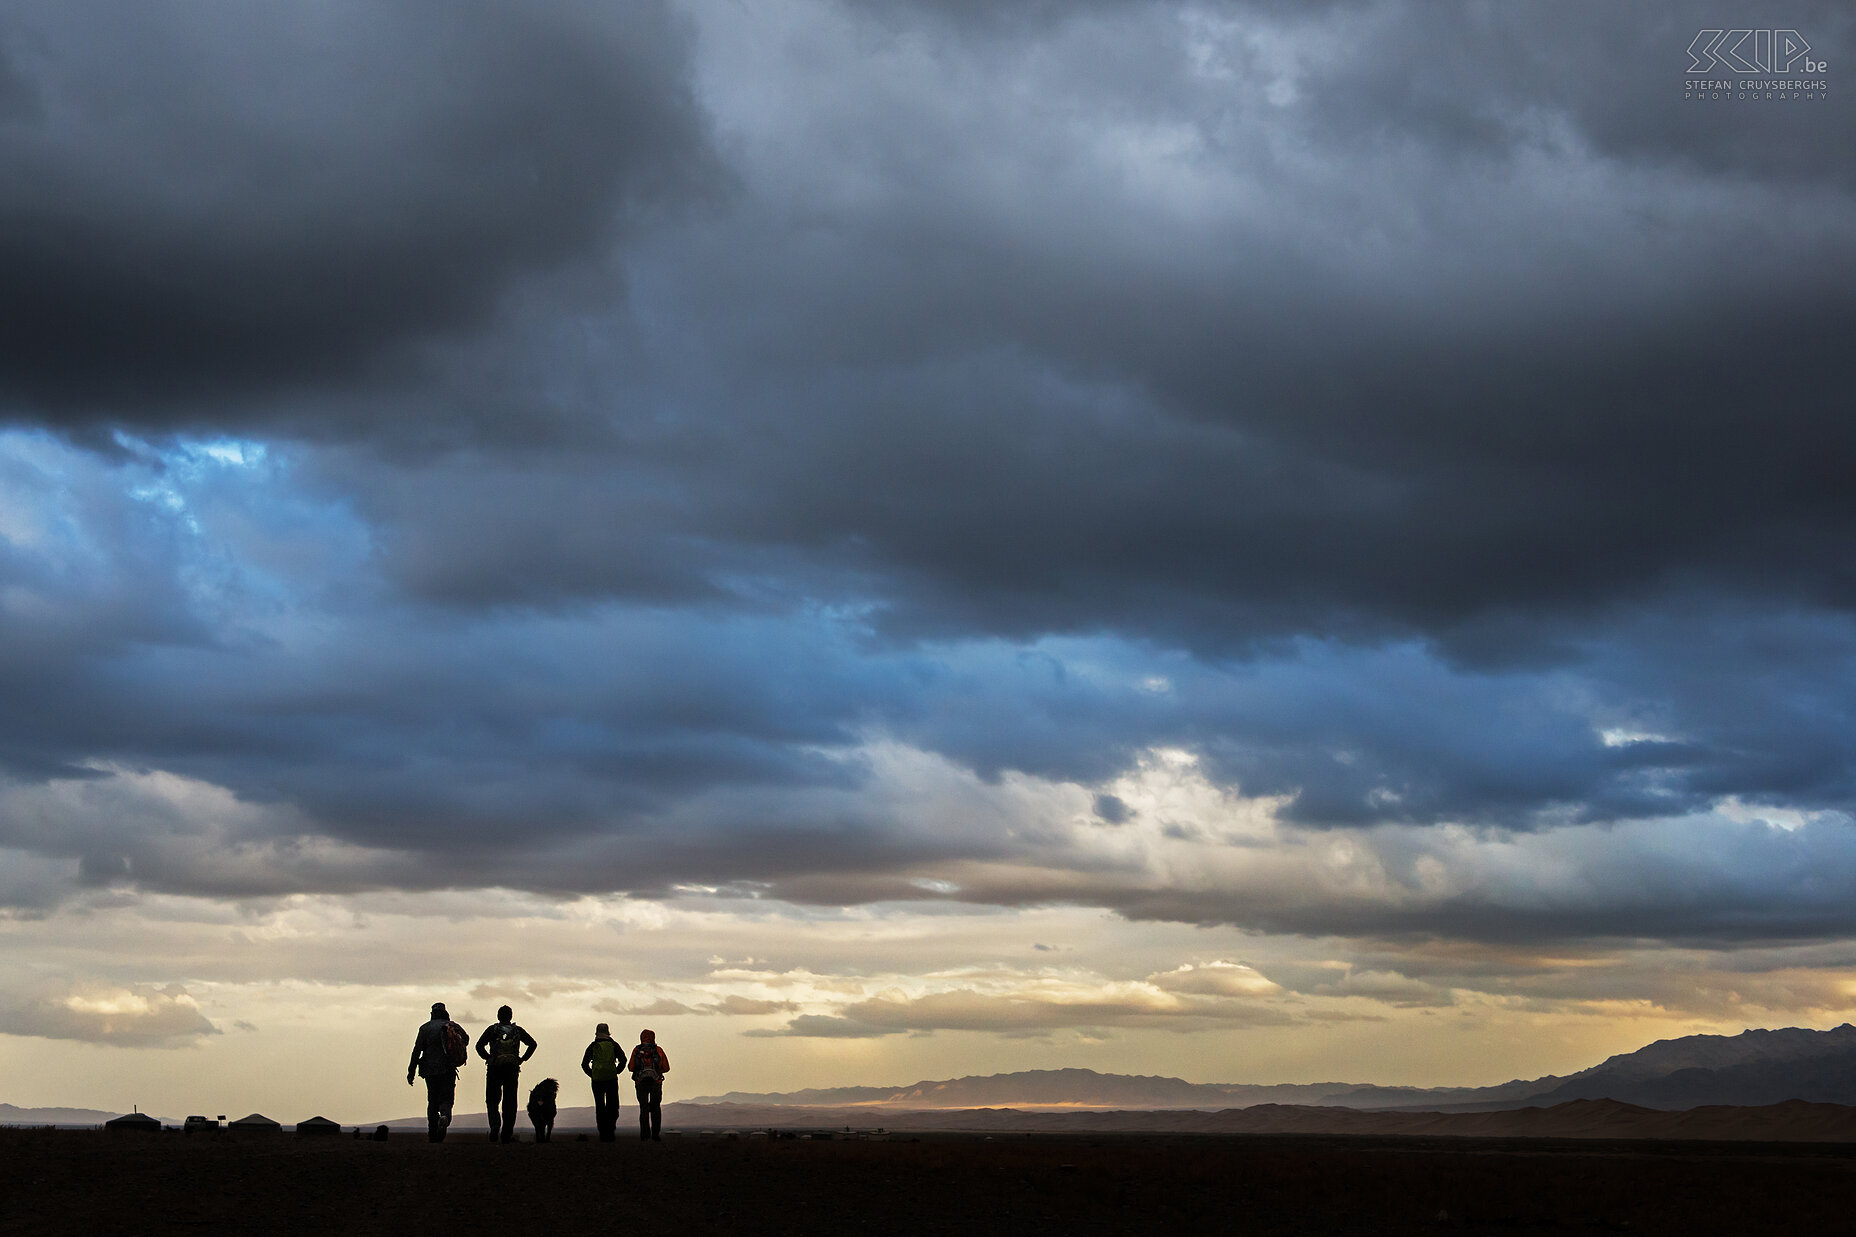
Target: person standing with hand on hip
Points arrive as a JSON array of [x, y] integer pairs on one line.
[[601, 1062], [649, 1064], [501, 1047]]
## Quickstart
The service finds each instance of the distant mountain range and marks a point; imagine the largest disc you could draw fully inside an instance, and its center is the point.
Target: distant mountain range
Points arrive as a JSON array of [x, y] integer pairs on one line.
[[1068, 1088], [1753, 1068], [1085, 1088], [11, 1115]]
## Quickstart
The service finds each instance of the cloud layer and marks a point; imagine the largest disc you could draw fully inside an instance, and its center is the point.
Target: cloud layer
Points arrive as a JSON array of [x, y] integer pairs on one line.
[[213, 205], [1345, 470], [133, 1017]]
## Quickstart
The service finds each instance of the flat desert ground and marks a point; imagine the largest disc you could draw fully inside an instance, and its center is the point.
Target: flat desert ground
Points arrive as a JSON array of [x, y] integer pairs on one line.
[[92, 1182]]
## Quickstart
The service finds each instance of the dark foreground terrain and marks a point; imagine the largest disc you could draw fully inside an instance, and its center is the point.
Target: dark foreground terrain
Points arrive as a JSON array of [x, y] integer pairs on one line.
[[81, 1181]]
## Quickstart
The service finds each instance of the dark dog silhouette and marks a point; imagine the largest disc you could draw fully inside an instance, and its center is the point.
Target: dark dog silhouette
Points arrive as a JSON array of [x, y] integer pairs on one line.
[[541, 1108]]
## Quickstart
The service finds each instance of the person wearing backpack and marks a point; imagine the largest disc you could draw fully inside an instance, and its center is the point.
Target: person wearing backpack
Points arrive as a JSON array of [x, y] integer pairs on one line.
[[601, 1062], [437, 1050], [649, 1064], [502, 1049]]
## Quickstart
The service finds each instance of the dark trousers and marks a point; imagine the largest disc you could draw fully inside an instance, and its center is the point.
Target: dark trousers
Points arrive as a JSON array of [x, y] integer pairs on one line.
[[441, 1092], [499, 1090], [606, 1107], [650, 1116]]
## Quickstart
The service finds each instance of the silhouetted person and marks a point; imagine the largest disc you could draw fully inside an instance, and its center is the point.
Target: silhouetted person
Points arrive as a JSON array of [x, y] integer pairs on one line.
[[502, 1048], [432, 1059], [648, 1066], [602, 1061]]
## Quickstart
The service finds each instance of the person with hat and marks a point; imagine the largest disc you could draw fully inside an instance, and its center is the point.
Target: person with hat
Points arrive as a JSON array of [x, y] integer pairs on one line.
[[435, 1057], [601, 1062]]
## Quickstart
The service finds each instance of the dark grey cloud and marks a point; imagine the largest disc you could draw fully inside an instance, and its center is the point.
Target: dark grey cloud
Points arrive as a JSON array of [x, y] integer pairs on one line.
[[1404, 386], [1477, 81], [210, 204], [1375, 407], [365, 742], [1112, 810], [1422, 414], [18, 100]]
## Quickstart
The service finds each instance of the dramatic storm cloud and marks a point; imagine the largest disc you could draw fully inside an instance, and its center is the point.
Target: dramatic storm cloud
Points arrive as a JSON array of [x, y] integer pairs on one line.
[[1367, 481], [209, 201]]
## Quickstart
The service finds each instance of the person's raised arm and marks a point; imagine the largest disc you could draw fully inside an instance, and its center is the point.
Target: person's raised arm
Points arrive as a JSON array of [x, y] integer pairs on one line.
[[586, 1059], [484, 1039], [530, 1041]]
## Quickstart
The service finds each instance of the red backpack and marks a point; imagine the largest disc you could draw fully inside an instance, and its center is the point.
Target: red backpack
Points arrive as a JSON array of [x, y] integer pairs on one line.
[[457, 1044], [648, 1063]]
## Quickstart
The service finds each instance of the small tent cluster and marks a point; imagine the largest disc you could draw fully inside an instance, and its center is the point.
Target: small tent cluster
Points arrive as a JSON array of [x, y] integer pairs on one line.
[[254, 1123]]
